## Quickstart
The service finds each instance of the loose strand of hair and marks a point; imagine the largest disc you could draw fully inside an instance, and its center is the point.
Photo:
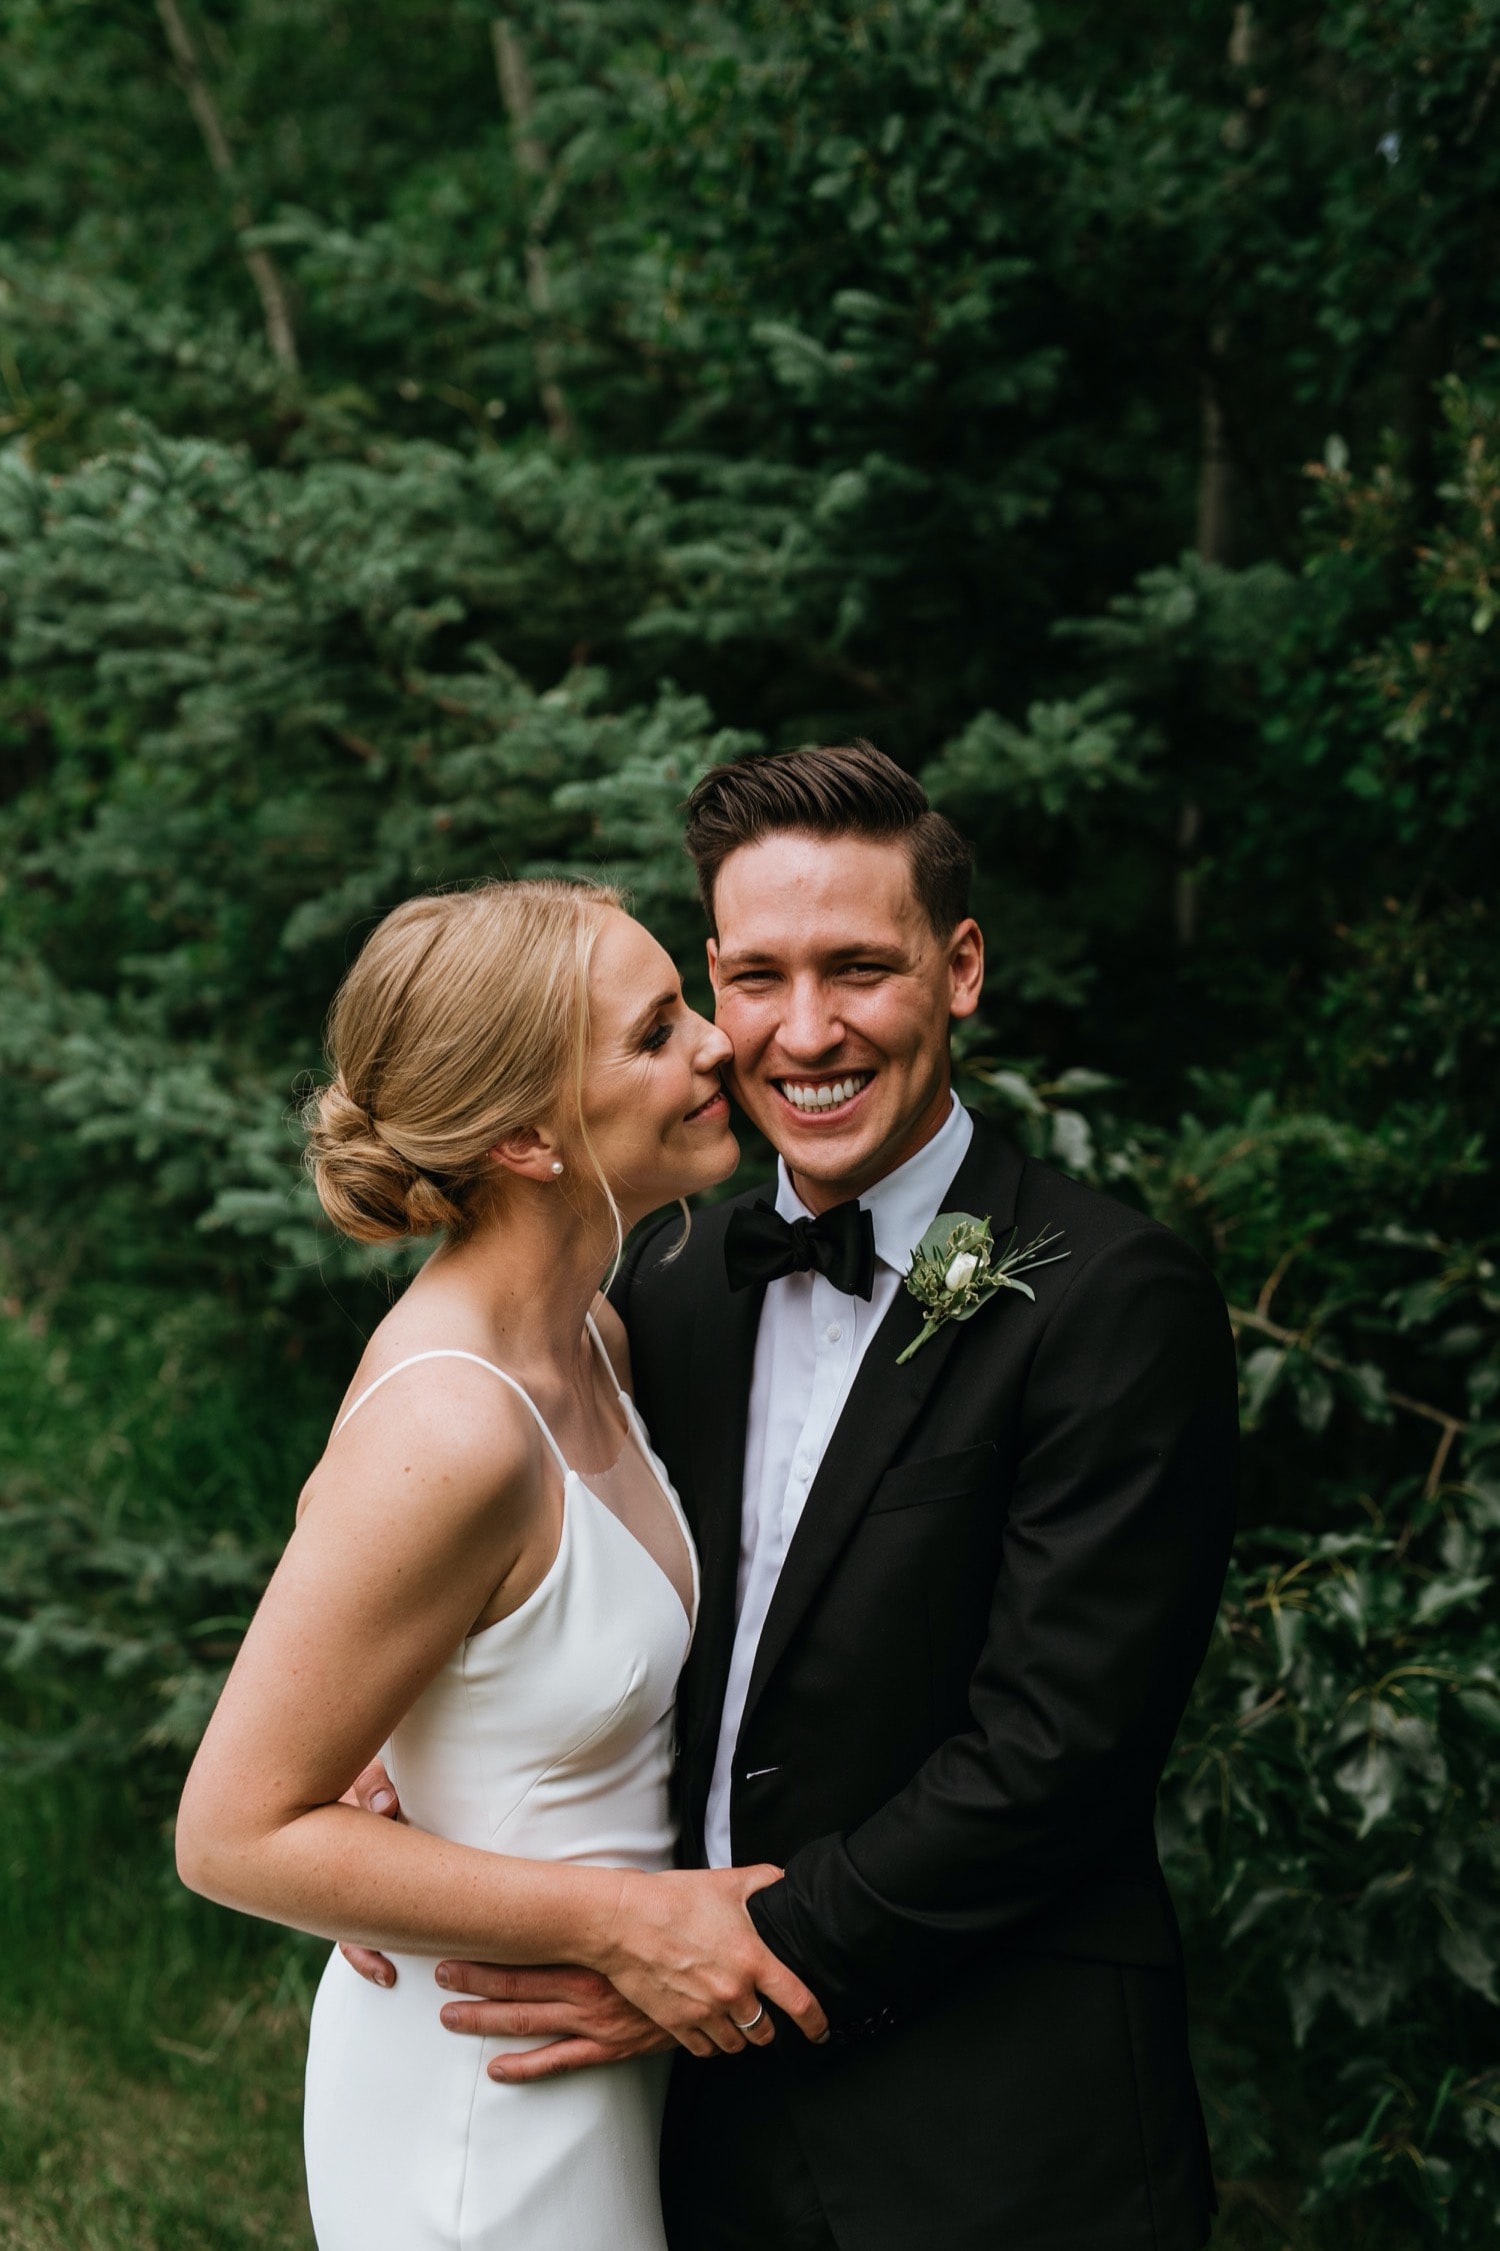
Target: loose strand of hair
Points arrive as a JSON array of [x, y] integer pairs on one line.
[[586, 939]]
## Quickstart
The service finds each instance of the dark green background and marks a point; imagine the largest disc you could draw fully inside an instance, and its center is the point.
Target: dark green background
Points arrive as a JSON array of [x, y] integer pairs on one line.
[[1096, 405]]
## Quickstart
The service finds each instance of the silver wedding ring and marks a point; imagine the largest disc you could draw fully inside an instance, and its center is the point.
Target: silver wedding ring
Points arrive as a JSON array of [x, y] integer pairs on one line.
[[754, 2021]]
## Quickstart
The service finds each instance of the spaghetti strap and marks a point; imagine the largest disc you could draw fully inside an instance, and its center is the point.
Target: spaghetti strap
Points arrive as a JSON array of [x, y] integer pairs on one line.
[[453, 1354], [609, 1367]]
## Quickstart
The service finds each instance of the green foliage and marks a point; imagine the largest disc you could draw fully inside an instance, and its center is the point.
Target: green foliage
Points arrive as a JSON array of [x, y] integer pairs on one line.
[[947, 370]]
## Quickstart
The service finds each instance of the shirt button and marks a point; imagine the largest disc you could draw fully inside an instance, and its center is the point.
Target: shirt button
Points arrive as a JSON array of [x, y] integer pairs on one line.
[[833, 1332]]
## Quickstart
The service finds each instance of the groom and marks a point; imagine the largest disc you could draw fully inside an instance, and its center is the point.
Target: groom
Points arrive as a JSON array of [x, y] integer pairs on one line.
[[953, 1599]]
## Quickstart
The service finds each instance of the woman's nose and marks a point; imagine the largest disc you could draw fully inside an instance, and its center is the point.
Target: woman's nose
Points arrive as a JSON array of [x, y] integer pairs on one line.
[[715, 1048]]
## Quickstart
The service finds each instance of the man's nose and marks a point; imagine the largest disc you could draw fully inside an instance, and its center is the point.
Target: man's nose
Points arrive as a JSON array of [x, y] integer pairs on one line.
[[811, 1026]]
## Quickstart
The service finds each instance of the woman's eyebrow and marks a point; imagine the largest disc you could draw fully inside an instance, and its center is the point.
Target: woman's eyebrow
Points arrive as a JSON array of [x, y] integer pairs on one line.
[[647, 1016]]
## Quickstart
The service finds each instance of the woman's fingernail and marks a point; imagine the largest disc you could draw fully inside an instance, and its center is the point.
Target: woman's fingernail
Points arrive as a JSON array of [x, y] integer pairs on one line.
[[385, 1977], [442, 1974], [381, 1801], [450, 2018]]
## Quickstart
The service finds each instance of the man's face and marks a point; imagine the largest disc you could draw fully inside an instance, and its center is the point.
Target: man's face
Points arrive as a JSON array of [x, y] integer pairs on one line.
[[837, 995]]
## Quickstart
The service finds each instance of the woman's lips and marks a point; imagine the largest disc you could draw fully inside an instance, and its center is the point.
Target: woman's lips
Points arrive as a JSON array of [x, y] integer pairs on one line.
[[717, 1106]]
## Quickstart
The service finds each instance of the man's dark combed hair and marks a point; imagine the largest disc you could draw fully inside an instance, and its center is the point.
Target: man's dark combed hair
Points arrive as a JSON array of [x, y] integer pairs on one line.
[[837, 789]]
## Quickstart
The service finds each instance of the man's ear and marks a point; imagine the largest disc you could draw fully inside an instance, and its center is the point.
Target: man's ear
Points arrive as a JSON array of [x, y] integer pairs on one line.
[[965, 968], [713, 965], [530, 1153]]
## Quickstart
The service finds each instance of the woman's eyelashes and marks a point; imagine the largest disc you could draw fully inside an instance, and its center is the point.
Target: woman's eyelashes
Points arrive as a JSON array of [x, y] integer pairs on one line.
[[656, 1038]]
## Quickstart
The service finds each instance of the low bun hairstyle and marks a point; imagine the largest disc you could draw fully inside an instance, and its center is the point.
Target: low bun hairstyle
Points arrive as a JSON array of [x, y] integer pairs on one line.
[[464, 1019]]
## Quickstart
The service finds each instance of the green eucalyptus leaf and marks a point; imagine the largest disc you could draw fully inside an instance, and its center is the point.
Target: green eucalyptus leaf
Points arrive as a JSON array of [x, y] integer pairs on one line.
[[1443, 1596], [1314, 1395], [1263, 1373]]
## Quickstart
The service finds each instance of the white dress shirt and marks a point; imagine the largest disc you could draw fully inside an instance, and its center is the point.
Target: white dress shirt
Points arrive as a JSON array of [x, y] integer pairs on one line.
[[808, 1348]]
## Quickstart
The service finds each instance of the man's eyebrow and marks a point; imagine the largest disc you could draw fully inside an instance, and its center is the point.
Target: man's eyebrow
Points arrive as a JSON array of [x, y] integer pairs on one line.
[[644, 1020], [859, 949], [749, 957]]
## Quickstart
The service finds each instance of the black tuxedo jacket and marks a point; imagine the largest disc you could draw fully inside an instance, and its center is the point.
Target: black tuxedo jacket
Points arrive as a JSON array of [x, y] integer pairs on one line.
[[977, 1655]]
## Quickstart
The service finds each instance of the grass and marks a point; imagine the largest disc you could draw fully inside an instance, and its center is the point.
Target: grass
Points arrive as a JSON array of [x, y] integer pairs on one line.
[[151, 2047], [202, 2153]]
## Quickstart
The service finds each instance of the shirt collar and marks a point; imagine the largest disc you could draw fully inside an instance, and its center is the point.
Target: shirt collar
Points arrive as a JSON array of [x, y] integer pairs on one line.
[[906, 1202]]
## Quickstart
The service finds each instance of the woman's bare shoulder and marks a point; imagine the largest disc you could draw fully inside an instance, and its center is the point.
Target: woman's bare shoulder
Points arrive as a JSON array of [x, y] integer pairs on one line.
[[442, 1415]]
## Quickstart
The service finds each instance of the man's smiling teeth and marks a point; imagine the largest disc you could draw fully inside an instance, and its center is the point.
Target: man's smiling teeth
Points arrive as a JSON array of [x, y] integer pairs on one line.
[[825, 1097]]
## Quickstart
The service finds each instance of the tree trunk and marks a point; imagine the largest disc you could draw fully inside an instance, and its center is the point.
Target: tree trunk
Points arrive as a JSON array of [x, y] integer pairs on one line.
[[1215, 526], [264, 272], [516, 94], [1214, 535], [1215, 498]]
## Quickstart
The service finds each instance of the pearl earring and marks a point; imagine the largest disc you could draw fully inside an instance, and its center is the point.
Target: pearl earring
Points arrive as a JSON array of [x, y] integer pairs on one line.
[[558, 1168]]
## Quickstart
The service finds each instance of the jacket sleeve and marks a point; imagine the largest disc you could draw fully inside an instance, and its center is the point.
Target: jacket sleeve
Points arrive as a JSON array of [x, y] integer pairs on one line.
[[1113, 1556]]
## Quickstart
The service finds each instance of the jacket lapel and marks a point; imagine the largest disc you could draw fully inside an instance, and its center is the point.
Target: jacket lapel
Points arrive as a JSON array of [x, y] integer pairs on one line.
[[883, 1403], [723, 1359]]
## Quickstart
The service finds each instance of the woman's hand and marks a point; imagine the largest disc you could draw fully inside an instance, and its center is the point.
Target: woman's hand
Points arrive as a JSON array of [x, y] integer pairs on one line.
[[682, 1947]]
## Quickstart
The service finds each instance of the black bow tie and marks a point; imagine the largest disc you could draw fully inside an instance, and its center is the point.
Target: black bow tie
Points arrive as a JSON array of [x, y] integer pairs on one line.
[[760, 1246]]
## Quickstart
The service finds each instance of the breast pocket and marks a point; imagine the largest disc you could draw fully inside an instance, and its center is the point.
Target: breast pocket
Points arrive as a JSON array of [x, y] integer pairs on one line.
[[941, 1477]]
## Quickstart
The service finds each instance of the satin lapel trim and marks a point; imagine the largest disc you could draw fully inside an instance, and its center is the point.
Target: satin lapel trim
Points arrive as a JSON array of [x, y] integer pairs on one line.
[[882, 1405], [723, 1364]]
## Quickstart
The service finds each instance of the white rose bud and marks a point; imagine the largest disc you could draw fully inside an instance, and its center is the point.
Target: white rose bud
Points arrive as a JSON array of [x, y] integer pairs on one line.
[[962, 1272]]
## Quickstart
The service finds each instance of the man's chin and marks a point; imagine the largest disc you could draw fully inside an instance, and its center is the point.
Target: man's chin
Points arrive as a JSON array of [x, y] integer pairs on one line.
[[840, 1150]]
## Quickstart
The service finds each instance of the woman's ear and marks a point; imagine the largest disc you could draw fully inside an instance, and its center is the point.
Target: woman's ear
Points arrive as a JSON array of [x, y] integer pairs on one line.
[[532, 1153]]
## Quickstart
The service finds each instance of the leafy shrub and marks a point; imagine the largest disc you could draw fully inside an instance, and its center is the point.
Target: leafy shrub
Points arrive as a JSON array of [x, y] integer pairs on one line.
[[793, 372]]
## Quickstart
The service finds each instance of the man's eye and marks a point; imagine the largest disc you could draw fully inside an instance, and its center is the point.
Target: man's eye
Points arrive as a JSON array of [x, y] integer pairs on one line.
[[657, 1039]]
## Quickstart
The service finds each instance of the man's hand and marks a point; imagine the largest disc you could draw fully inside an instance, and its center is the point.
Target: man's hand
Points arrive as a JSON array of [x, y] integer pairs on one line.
[[372, 1792], [590, 2023]]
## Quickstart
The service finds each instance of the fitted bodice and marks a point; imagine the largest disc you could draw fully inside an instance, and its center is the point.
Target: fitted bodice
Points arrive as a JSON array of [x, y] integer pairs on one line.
[[548, 1733]]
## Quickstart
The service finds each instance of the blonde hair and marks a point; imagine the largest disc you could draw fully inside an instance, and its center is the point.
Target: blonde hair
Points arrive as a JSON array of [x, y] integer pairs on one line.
[[465, 1019]]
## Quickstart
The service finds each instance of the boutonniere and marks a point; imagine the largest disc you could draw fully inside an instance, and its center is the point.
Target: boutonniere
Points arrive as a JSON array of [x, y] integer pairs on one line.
[[956, 1268]]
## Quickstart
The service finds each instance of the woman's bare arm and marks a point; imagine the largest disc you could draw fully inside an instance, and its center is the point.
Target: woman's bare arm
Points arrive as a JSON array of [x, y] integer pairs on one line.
[[423, 1509]]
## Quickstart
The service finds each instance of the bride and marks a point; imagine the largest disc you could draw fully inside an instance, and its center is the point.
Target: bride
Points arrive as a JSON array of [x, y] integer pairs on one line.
[[491, 1585]]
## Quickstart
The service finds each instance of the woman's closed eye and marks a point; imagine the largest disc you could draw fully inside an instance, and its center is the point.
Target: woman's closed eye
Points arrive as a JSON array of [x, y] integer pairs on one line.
[[656, 1038]]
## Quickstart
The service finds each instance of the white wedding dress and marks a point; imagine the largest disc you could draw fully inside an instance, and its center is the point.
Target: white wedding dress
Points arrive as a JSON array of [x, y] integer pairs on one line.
[[547, 1735]]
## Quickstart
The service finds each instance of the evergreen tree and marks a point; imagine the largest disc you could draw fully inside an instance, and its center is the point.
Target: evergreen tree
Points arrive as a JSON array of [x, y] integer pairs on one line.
[[431, 438]]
